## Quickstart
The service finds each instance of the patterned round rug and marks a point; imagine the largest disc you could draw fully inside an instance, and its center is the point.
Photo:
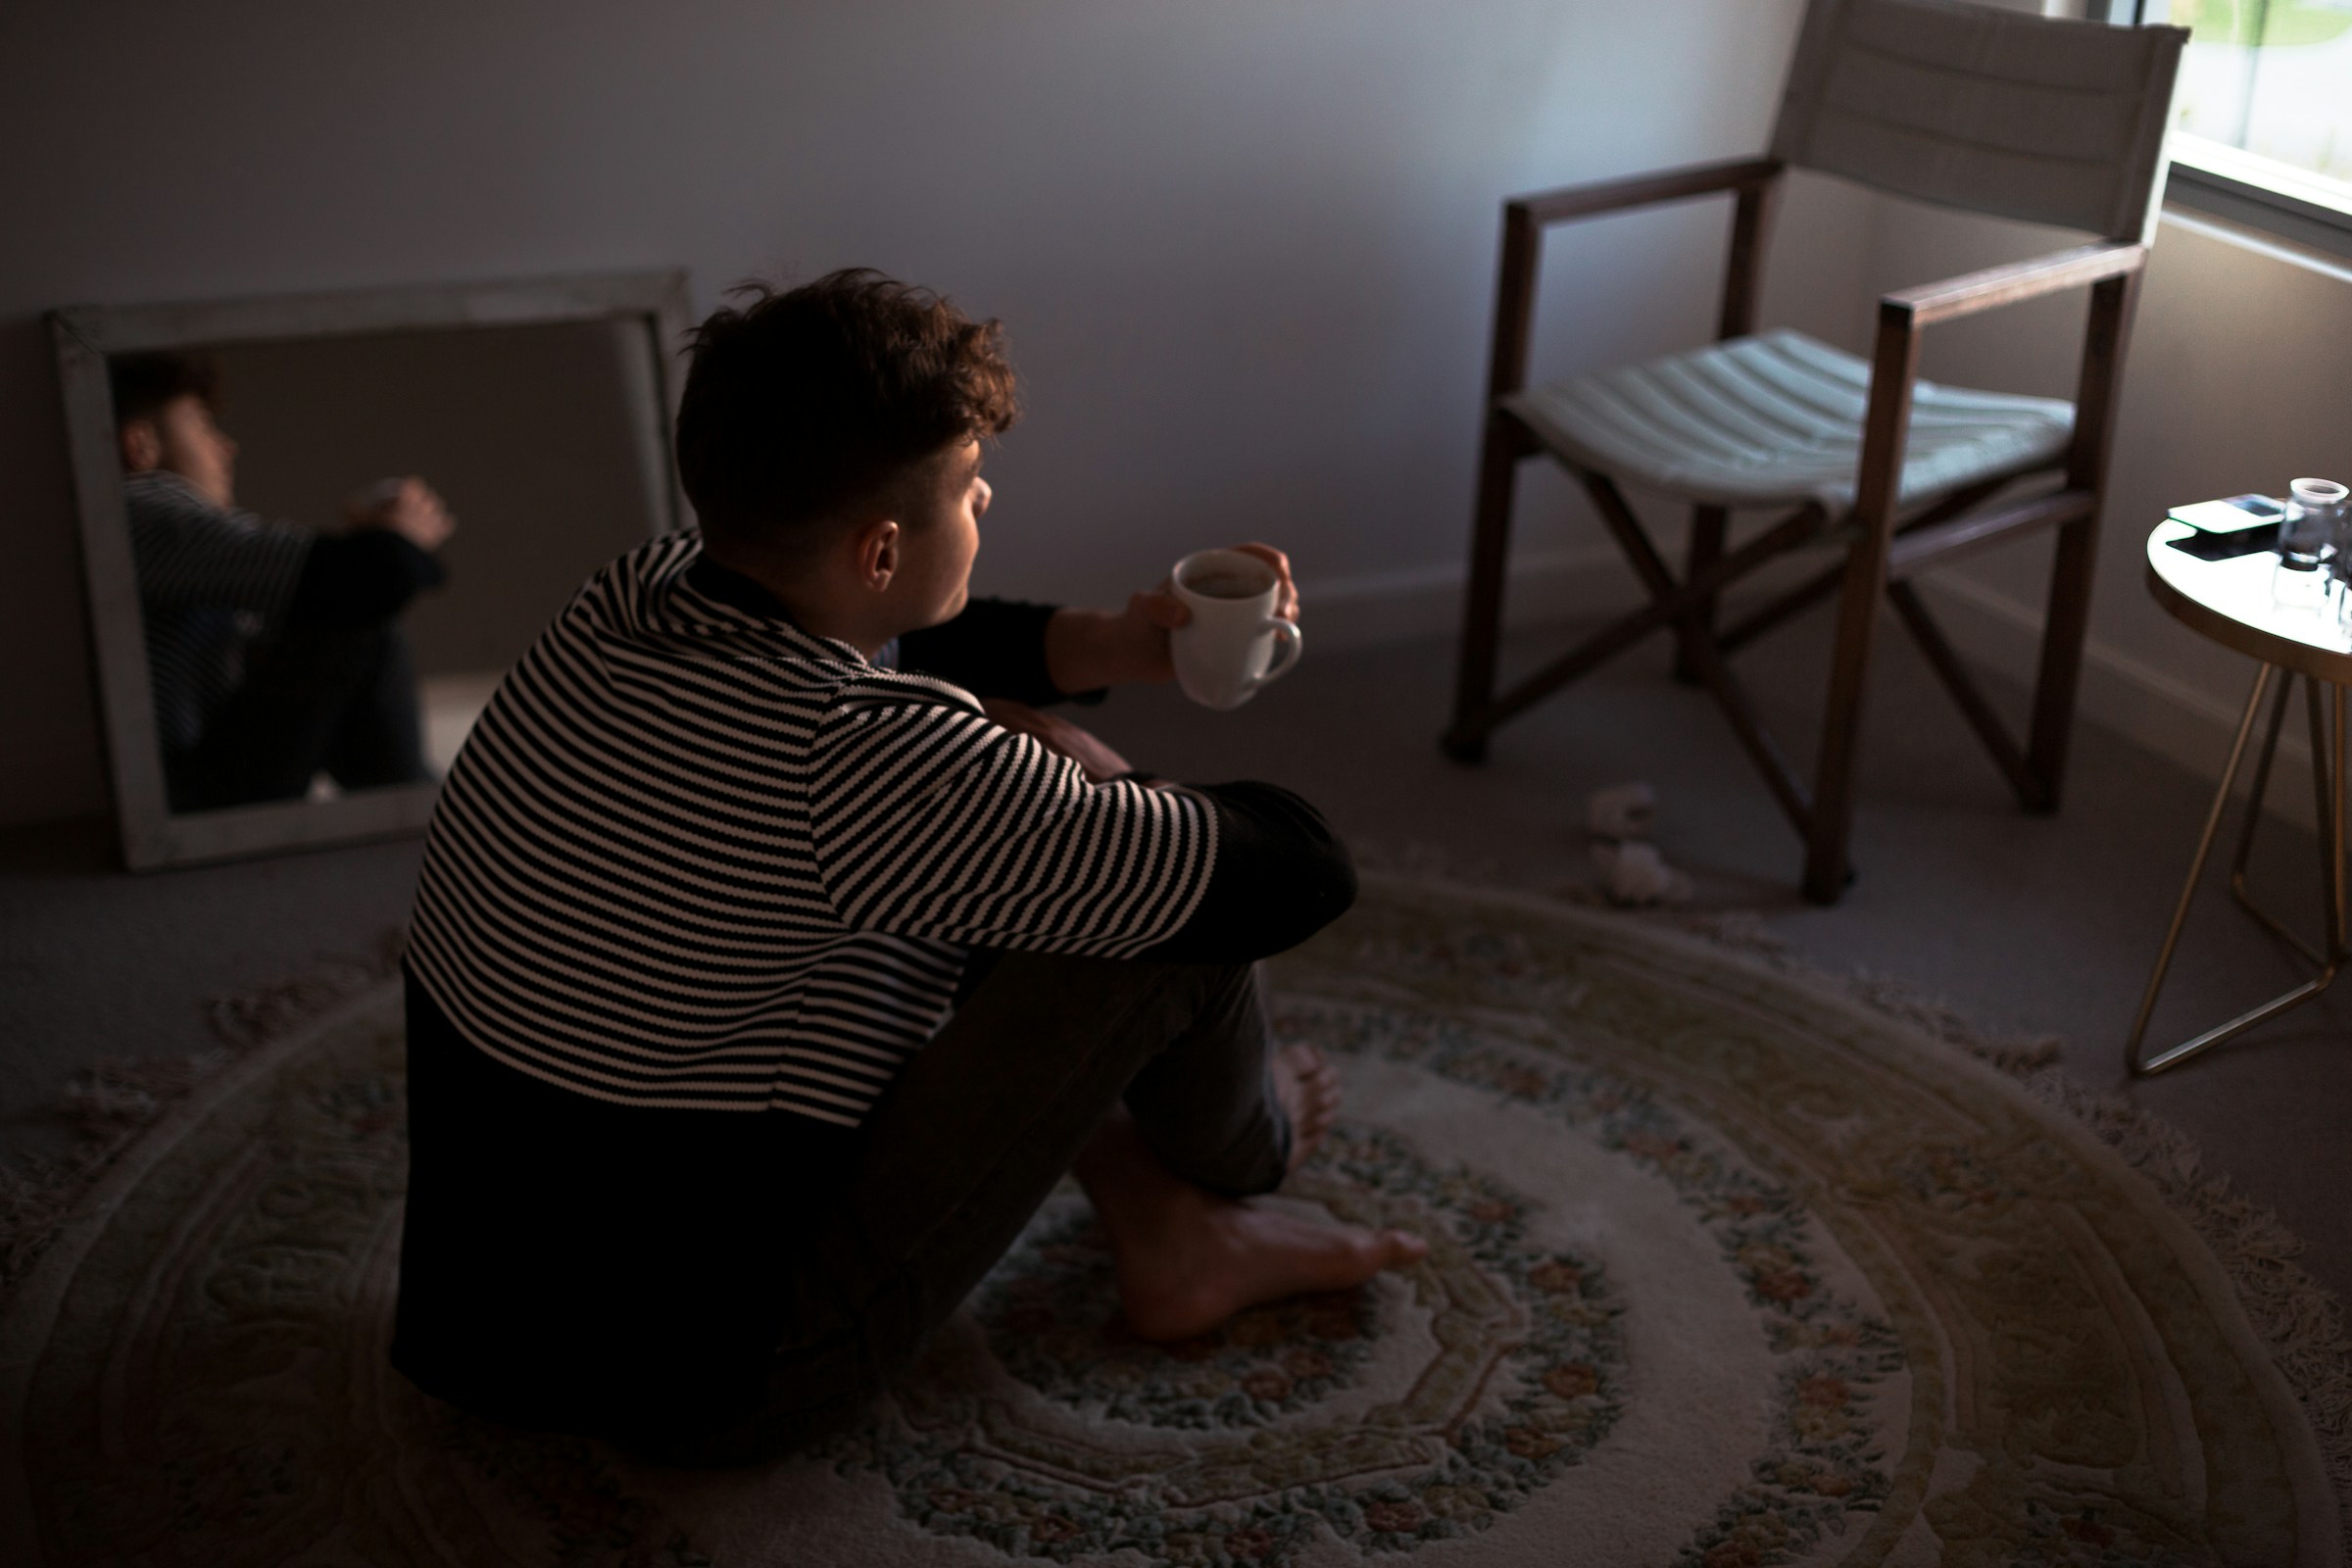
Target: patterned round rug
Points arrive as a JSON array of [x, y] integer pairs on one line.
[[1724, 1269]]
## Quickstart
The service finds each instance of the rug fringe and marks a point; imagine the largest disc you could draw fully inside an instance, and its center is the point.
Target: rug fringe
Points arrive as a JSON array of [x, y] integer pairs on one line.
[[107, 1104], [1741, 931], [2300, 1319]]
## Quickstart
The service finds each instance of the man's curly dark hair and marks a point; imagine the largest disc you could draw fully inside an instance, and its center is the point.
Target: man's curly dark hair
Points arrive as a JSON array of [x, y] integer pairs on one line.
[[802, 406], [145, 384]]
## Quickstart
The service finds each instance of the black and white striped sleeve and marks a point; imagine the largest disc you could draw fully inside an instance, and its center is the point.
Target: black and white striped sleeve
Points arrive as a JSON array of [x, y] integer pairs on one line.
[[1282, 875], [192, 554], [929, 821]]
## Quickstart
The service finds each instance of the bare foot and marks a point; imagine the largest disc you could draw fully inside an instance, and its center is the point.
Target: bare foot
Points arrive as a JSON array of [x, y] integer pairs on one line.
[[1224, 1256], [1188, 1259], [1308, 1087]]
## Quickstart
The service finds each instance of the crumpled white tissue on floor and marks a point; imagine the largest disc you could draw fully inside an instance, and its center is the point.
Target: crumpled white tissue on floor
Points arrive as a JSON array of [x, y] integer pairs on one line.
[[1622, 811]]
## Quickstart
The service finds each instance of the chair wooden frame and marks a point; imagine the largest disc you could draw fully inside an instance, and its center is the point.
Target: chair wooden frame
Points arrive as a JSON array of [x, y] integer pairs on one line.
[[1884, 548]]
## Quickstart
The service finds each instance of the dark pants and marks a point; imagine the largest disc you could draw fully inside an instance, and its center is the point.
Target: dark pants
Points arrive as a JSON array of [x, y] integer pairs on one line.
[[971, 1139], [342, 703]]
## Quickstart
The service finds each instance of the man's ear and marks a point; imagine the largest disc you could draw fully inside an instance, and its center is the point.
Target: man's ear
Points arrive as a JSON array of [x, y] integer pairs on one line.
[[142, 445], [874, 551]]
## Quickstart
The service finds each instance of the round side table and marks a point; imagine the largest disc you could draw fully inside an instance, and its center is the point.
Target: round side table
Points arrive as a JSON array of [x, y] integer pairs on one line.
[[2225, 592]]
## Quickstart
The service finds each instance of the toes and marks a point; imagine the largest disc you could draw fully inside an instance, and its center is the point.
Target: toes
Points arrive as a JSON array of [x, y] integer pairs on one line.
[[1316, 1079], [1305, 1060], [1308, 1087], [1369, 1253], [1403, 1249]]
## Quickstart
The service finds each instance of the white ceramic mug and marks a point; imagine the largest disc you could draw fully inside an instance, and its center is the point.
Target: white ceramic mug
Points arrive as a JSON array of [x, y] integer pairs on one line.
[[1235, 643]]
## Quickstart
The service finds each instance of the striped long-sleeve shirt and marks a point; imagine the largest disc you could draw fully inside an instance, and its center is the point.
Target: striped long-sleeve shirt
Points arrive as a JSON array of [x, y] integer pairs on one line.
[[213, 579], [695, 857]]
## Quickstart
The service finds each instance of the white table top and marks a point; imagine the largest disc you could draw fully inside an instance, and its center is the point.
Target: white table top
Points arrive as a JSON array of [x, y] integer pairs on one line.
[[2230, 601]]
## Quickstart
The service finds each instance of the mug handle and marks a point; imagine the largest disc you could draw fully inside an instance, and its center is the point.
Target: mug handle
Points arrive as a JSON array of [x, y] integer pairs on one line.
[[1286, 657]]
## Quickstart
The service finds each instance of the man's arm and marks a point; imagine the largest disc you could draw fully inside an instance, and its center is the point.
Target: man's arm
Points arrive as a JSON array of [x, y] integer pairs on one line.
[[190, 551], [359, 580], [994, 648], [1281, 875], [1037, 654], [367, 577], [1086, 649], [929, 821], [1041, 654]]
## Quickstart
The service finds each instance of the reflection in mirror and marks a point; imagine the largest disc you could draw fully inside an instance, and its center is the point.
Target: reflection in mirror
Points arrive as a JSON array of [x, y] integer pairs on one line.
[[342, 544], [336, 542]]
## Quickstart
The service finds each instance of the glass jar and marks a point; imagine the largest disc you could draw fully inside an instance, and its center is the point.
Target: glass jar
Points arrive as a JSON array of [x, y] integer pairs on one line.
[[2308, 547]]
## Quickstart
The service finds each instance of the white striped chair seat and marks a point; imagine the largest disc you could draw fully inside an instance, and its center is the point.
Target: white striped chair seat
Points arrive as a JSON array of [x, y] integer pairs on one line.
[[1776, 419]]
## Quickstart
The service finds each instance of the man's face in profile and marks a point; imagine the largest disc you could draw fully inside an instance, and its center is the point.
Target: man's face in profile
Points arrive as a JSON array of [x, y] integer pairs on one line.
[[182, 438], [941, 535]]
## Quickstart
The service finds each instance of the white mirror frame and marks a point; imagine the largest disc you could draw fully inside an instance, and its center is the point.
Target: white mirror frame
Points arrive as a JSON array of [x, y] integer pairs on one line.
[[85, 335]]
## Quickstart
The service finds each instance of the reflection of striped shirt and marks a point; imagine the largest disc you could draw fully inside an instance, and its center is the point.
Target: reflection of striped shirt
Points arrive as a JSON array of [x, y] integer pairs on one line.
[[209, 581], [692, 857]]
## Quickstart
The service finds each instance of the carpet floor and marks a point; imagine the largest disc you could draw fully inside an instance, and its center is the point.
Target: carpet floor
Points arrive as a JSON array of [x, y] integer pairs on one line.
[[1728, 1267]]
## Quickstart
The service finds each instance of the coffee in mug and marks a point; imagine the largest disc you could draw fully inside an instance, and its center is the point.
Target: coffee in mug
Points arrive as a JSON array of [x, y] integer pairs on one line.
[[1235, 643], [1226, 585]]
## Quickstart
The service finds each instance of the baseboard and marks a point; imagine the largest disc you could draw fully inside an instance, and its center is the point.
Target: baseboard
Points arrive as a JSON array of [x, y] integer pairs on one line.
[[1424, 602], [2120, 692]]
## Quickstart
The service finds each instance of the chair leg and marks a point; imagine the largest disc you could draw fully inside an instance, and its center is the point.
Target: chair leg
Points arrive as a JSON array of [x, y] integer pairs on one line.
[[2064, 628], [1708, 526], [1825, 867], [1949, 666], [1663, 609], [1894, 366], [1482, 612], [1699, 644]]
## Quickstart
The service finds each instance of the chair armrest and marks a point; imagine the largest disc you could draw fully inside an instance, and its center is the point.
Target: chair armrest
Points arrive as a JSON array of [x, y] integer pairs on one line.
[[1972, 292], [1644, 190], [2113, 265], [1524, 218]]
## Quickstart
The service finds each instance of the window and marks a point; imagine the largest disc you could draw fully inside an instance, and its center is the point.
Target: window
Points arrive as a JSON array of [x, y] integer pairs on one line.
[[2262, 118], [2271, 78]]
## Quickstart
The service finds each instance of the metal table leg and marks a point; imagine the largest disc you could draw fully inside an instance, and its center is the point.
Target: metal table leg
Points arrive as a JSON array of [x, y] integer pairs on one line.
[[2328, 786]]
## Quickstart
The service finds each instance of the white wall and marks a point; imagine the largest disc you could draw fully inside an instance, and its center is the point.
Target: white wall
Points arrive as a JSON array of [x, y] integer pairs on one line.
[[1244, 247]]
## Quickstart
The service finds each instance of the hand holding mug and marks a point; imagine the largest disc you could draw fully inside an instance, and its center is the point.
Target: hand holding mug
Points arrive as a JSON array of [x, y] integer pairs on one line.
[[1240, 631], [1161, 607]]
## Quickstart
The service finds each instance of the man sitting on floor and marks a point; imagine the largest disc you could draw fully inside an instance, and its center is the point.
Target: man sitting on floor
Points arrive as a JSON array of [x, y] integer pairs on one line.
[[771, 960], [274, 650]]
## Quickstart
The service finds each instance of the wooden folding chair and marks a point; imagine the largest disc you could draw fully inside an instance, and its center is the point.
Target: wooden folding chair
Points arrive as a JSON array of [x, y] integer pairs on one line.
[[1987, 111]]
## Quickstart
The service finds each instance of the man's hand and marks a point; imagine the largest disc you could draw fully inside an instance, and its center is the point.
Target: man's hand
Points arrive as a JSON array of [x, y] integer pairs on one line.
[[410, 509], [1098, 760], [1089, 648]]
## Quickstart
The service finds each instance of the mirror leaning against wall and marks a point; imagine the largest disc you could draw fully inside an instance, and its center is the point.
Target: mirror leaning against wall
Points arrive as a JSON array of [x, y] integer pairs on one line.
[[317, 529]]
